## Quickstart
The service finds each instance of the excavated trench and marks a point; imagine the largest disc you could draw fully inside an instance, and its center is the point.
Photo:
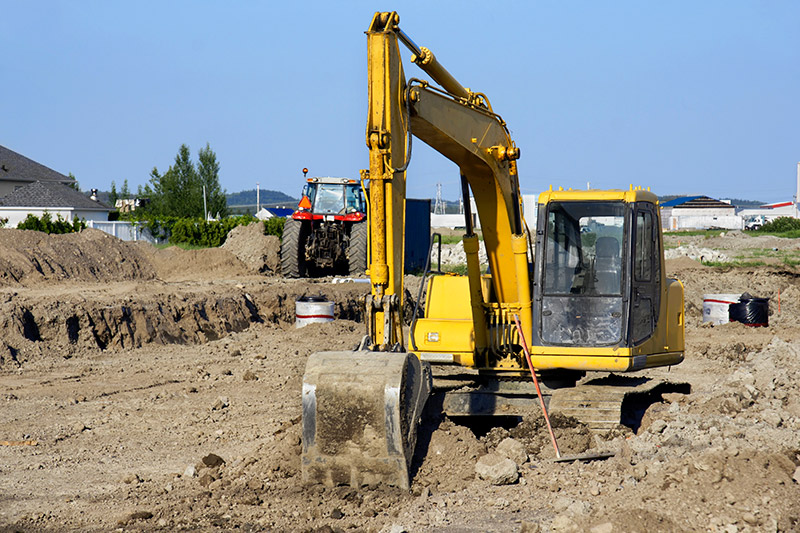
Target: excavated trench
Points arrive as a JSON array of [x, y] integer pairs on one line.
[[37, 325]]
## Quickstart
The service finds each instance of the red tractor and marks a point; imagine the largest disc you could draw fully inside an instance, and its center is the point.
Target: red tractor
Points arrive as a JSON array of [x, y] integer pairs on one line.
[[328, 231]]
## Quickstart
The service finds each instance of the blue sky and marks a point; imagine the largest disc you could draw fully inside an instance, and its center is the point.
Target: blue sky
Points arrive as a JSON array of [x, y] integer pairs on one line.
[[681, 96]]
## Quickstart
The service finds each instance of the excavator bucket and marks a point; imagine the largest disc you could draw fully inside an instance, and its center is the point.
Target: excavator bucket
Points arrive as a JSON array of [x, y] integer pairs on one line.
[[361, 410]]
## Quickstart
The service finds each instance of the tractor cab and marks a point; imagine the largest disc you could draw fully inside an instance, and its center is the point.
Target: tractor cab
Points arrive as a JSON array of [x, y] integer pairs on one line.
[[328, 232], [340, 197]]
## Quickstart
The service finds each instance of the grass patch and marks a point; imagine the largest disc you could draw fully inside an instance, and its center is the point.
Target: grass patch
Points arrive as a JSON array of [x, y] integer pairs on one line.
[[707, 233], [791, 234], [453, 236], [461, 270], [762, 252], [734, 264], [450, 239]]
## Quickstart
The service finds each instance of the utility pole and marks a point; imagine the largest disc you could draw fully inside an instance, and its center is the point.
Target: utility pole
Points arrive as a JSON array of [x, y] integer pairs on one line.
[[258, 197], [797, 194], [205, 208]]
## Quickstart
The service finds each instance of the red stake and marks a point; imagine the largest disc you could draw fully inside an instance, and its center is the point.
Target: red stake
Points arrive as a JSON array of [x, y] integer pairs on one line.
[[536, 384]]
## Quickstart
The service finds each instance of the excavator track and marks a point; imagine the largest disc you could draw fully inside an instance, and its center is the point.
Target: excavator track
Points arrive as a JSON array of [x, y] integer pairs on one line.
[[361, 411], [601, 404], [608, 402]]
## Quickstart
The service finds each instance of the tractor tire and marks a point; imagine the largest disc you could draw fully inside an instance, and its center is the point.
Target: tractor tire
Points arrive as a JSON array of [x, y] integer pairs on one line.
[[293, 249], [357, 248]]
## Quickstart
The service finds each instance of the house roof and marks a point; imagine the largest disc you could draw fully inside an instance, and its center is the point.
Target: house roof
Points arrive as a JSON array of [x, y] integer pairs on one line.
[[776, 205], [17, 167], [280, 211], [50, 194], [697, 202]]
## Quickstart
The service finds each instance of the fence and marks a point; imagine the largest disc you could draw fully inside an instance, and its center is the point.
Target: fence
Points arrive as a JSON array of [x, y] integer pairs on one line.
[[123, 230]]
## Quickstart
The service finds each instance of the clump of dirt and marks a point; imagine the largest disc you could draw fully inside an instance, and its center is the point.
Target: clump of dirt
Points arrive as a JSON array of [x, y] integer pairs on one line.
[[572, 436], [261, 253], [446, 454], [31, 257]]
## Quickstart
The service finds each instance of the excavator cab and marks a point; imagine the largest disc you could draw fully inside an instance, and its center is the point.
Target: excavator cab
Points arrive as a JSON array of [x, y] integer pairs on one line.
[[600, 290]]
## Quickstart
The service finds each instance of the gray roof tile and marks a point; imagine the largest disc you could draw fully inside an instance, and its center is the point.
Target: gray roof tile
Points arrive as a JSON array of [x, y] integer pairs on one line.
[[17, 167], [50, 194]]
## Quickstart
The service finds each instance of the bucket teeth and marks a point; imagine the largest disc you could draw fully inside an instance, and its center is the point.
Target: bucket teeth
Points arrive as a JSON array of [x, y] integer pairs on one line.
[[360, 416]]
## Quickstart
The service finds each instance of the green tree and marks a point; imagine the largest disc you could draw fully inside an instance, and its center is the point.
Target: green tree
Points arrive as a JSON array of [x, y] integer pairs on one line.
[[74, 183], [178, 192], [113, 195], [175, 193], [125, 192], [208, 172]]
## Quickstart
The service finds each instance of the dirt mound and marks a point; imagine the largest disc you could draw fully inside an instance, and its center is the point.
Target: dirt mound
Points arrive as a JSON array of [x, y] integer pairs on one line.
[[738, 240], [682, 263], [261, 253], [176, 264], [30, 257]]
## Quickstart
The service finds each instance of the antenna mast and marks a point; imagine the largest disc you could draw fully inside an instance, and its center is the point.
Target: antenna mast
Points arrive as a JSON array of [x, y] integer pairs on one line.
[[438, 206]]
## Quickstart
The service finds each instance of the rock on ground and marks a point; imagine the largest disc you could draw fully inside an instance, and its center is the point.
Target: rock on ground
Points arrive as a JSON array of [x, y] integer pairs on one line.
[[496, 469]]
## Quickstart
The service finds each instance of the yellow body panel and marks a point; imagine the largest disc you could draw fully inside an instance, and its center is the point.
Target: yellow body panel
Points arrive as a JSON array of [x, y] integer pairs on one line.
[[634, 194], [447, 327], [454, 301]]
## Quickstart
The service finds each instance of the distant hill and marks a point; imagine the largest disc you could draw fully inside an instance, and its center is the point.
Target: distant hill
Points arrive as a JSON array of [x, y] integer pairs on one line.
[[267, 198], [738, 202]]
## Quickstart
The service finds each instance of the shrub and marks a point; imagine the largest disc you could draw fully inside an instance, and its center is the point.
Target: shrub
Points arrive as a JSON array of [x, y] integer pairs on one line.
[[46, 224], [274, 226], [3, 222], [781, 225], [199, 232]]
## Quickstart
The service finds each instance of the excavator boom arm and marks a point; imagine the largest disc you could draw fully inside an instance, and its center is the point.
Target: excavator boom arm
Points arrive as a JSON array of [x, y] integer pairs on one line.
[[460, 125]]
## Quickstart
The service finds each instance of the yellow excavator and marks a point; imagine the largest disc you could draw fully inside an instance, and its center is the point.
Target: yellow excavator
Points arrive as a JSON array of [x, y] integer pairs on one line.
[[595, 300]]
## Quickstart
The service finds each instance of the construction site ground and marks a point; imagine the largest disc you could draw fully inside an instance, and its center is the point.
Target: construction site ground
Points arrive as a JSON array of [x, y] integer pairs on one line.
[[148, 389]]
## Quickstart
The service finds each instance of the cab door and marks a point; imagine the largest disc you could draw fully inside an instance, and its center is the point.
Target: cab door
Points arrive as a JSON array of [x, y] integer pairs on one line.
[[645, 273]]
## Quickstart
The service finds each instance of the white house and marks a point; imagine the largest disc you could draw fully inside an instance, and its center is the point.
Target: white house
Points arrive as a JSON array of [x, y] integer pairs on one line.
[[699, 212], [269, 212], [52, 197]]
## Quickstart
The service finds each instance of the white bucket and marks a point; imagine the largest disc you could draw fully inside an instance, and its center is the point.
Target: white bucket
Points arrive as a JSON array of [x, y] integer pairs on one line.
[[311, 309], [715, 307]]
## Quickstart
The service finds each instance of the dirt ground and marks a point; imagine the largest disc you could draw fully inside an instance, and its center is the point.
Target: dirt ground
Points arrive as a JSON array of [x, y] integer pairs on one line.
[[159, 390]]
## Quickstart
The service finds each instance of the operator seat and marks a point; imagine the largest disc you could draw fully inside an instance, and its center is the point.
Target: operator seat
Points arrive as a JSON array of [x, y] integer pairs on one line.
[[608, 266]]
